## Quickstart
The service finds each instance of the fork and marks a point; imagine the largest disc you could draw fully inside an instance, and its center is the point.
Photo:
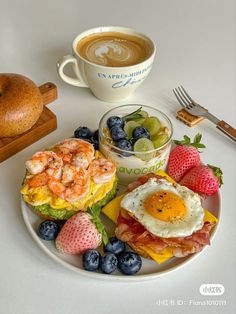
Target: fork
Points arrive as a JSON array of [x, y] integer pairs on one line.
[[195, 109]]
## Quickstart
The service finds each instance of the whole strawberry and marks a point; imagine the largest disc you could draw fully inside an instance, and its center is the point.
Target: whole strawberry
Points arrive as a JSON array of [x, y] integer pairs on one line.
[[184, 157], [78, 235], [203, 179]]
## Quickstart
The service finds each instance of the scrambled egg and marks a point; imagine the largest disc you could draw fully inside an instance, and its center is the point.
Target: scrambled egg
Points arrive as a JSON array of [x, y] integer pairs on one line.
[[42, 195]]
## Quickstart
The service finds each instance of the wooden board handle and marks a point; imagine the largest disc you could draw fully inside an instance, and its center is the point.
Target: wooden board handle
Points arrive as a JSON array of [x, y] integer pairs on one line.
[[49, 92], [227, 129]]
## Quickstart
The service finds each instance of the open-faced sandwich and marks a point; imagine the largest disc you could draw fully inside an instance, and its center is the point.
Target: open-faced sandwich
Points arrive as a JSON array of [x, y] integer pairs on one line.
[[160, 219], [67, 178]]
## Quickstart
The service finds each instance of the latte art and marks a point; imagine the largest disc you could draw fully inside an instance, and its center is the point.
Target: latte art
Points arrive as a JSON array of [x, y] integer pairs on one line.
[[113, 52], [114, 49]]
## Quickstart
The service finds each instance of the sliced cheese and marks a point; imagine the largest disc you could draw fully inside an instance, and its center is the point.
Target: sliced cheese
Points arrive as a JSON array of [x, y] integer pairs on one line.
[[165, 175], [112, 210], [159, 258], [209, 217]]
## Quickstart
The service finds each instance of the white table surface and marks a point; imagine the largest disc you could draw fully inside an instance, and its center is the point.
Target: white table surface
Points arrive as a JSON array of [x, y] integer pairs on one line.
[[196, 48]]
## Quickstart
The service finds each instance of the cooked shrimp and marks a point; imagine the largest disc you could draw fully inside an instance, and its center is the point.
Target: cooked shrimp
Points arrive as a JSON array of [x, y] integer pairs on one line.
[[79, 152], [47, 161], [68, 174], [73, 186], [65, 157], [102, 170], [37, 180]]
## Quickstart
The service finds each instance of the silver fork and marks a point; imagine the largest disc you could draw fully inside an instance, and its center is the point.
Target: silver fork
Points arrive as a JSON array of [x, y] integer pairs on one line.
[[195, 109]]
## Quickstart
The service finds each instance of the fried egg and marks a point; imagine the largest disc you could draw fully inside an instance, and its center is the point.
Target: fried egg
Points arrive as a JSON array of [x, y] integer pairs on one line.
[[165, 209]]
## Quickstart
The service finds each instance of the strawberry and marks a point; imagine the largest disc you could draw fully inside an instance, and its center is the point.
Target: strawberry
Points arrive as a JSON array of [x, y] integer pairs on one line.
[[78, 235], [184, 157], [203, 179]]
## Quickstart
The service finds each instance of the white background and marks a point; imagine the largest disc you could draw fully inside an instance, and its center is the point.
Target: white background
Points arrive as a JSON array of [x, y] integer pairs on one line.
[[196, 48]]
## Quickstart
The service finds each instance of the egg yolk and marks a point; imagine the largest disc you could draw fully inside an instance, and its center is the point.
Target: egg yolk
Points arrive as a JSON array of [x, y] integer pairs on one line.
[[165, 206]]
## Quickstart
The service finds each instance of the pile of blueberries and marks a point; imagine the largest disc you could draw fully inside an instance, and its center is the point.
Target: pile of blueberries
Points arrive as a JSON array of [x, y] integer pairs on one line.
[[116, 126], [86, 134], [129, 263]]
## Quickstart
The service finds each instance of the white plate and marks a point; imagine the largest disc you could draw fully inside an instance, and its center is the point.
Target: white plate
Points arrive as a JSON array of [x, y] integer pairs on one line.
[[149, 270]]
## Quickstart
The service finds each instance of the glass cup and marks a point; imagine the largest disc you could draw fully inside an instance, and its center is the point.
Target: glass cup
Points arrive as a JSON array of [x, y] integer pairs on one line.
[[131, 165]]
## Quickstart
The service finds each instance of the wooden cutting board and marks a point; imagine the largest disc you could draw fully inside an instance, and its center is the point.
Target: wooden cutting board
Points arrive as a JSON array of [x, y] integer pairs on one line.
[[46, 123]]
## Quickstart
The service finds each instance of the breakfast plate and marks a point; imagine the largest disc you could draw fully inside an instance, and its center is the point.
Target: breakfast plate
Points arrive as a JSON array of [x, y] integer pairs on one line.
[[149, 270]]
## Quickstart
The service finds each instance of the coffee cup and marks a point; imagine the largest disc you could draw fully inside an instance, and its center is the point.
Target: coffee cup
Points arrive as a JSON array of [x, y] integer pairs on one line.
[[112, 61]]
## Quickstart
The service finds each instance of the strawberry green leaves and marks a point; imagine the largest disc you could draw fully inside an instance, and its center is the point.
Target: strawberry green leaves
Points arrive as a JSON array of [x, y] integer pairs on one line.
[[218, 173], [94, 211], [187, 141]]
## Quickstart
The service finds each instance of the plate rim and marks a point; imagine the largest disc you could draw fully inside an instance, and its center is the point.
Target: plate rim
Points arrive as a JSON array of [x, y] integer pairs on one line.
[[120, 278]]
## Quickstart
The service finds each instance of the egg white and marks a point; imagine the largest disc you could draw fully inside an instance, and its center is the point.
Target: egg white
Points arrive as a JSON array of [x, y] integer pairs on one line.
[[133, 202]]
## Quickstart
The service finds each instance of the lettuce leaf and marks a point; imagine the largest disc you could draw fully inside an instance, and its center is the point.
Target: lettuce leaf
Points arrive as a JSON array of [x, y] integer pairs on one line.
[[95, 211]]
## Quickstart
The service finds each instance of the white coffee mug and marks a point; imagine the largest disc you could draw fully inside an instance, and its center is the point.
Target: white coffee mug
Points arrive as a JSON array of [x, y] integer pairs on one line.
[[107, 83]]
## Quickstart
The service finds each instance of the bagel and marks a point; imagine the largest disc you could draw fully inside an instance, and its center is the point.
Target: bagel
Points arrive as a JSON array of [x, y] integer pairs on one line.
[[21, 104]]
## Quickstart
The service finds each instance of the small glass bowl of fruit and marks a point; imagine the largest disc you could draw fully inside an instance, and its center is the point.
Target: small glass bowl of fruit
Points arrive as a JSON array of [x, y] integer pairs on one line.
[[137, 138]]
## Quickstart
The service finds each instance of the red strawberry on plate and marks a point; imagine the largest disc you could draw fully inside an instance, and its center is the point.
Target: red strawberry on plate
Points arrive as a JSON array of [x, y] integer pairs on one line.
[[203, 179], [78, 235], [184, 156]]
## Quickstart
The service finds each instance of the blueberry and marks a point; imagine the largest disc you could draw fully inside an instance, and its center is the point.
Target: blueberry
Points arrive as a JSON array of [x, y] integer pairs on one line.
[[83, 132], [109, 263], [115, 246], [140, 132], [91, 260], [95, 136], [95, 140], [129, 263], [95, 144], [126, 145], [117, 133], [48, 230], [115, 121]]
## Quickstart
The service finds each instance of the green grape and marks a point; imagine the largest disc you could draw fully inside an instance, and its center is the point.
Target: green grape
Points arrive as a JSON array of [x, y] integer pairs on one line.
[[144, 114], [144, 145], [129, 127], [152, 124], [159, 139]]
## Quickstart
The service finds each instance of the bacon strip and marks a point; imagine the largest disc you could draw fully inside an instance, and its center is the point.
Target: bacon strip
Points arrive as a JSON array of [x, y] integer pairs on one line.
[[129, 230], [192, 244]]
